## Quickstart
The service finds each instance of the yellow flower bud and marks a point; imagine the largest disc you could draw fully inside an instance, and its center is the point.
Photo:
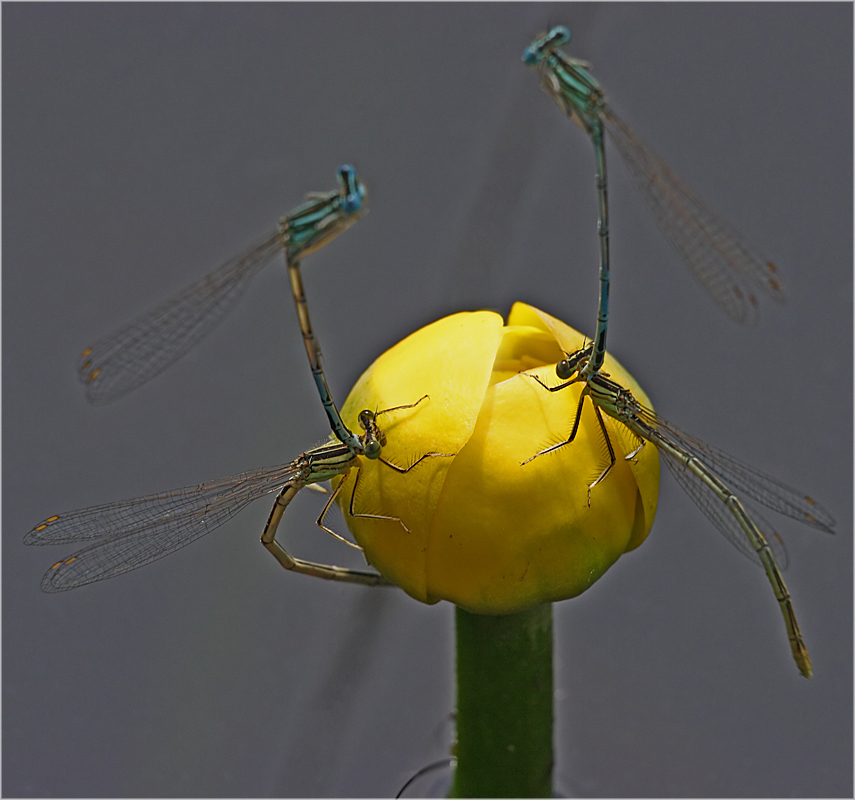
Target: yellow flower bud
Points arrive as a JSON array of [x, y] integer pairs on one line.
[[480, 528]]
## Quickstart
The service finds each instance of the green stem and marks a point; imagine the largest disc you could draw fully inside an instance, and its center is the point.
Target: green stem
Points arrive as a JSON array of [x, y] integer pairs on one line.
[[504, 704]]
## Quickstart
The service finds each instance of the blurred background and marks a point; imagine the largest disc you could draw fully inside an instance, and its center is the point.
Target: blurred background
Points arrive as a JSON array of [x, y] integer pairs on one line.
[[144, 144]]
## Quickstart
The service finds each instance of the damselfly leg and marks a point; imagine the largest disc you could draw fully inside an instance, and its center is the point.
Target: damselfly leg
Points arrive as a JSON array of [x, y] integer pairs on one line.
[[706, 474], [129, 534]]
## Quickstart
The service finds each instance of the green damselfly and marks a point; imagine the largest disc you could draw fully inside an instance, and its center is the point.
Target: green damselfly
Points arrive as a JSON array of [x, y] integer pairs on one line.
[[132, 533], [706, 475], [126, 359], [721, 262], [129, 534]]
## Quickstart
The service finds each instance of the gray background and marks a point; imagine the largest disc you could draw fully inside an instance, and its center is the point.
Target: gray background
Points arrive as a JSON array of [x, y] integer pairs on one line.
[[144, 144]]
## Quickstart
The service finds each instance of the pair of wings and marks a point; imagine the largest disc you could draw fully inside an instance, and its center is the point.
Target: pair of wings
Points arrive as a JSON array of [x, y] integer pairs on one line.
[[132, 533], [716, 255], [739, 477]]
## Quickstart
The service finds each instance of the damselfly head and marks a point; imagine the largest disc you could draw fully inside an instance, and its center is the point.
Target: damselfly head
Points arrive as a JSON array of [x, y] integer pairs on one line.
[[543, 45], [353, 191], [373, 440], [372, 448], [566, 368]]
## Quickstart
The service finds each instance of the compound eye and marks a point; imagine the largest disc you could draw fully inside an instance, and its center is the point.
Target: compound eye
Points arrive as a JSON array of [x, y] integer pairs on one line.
[[532, 55], [353, 190], [372, 448], [365, 419], [558, 35], [351, 203], [564, 369]]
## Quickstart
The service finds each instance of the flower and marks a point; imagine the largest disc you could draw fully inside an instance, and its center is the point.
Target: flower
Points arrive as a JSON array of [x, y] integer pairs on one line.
[[476, 526]]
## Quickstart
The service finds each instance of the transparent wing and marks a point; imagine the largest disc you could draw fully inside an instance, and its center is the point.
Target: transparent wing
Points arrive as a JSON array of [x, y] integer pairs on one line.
[[706, 500], [133, 355], [138, 531], [741, 478], [718, 258], [737, 475]]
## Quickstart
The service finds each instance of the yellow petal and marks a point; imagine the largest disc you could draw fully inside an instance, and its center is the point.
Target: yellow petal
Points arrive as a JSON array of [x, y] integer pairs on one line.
[[645, 466], [481, 528], [451, 362]]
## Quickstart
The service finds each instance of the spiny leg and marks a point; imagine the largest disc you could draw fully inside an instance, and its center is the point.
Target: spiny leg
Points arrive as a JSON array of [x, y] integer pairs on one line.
[[575, 430], [405, 470], [401, 408], [632, 456], [375, 436], [609, 447], [351, 509], [576, 421], [627, 436], [546, 385], [328, 572], [320, 520], [351, 506]]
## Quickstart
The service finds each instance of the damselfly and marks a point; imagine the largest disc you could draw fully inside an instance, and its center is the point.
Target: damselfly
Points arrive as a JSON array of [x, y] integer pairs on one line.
[[706, 474], [136, 353], [721, 262], [132, 533]]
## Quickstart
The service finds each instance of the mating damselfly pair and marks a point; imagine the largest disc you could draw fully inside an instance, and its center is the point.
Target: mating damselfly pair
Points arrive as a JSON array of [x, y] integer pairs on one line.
[[726, 267], [132, 533]]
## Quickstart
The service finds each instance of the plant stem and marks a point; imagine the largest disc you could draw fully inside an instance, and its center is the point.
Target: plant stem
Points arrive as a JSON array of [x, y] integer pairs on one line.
[[504, 704]]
